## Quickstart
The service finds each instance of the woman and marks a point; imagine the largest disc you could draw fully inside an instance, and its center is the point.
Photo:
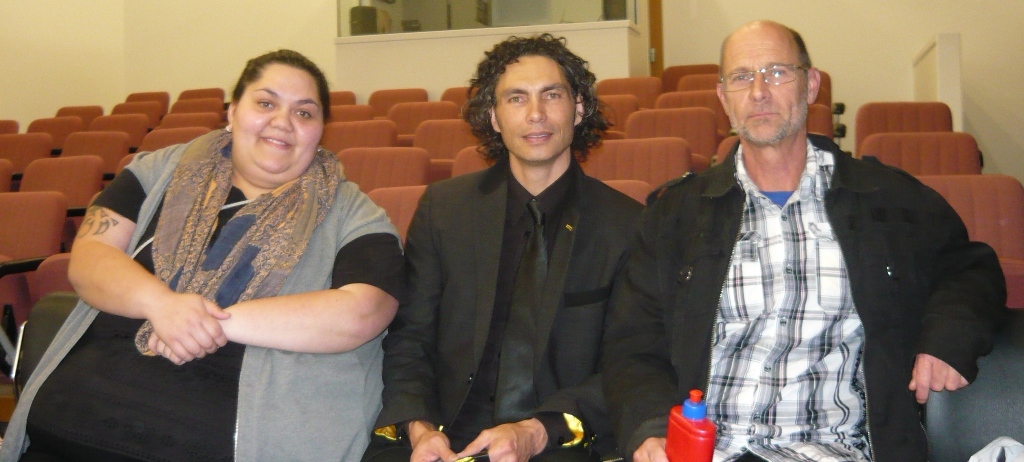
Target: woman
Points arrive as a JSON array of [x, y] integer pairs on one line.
[[255, 274]]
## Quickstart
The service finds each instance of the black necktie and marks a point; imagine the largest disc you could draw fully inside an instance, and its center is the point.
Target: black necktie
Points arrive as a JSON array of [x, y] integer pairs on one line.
[[515, 396]]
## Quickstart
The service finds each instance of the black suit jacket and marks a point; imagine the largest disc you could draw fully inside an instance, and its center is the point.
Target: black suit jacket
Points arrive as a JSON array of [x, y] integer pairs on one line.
[[434, 346]]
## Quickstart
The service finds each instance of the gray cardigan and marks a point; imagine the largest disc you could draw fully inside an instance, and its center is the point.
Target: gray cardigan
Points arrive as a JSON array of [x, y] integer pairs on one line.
[[291, 406]]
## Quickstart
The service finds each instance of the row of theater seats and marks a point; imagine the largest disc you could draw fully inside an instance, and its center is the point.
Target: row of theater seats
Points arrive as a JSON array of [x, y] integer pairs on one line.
[[139, 114], [651, 160], [689, 77], [111, 147]]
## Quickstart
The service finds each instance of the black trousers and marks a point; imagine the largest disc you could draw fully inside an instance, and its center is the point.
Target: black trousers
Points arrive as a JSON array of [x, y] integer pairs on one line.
[[382, 450], [749, 457]]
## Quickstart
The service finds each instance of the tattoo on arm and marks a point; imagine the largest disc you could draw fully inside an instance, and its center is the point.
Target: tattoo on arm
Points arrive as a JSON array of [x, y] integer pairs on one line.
[[96, 222]]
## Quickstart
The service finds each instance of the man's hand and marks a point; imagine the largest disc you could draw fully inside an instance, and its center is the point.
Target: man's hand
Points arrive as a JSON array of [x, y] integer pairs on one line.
[[931, 373], [651, 450], [511, 442], [186, 327], [428, 444]]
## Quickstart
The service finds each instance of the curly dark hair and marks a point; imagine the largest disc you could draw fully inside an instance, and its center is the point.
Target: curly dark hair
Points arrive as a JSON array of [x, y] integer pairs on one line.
[[586, 134], [254, 70]]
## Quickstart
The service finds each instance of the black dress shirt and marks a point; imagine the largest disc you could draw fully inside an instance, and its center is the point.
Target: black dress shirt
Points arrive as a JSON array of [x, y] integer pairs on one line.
[[477, 414]]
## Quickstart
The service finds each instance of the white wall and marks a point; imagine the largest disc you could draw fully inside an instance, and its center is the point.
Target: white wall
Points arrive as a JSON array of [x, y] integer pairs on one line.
[[867, 46], [181, 44], [56, 53]]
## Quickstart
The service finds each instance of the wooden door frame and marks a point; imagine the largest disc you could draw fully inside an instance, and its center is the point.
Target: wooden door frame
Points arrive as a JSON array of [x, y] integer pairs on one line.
[[655, 22]]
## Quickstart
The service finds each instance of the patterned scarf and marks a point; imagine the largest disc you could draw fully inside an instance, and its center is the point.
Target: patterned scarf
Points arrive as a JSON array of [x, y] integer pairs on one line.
[[256, 249]]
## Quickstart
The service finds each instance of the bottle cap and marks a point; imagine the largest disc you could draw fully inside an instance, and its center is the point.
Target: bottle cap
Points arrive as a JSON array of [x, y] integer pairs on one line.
[[694, 408]]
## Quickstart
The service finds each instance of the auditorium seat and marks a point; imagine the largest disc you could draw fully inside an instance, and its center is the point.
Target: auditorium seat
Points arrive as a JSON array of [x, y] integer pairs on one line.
[[407, 117], [198, 105], [442, 139], [22, 148], [696, 125], [824, 91], [163, 137], [399, 203], [819, 120], [210, 120], [150, 109], [652, 160], [382, 100], [86, 113], [342, 98], [78, 178], [124, 163], [671, 75], [697, 98], [58, 128], [8, 127], [33, 224], [646, 89], [203, 93], [111, 146], [926, 153], [133, 125], [50, 276], [351, 113], [725, 147], [697, 82], [457, 95], [339, 136], [6, 171], [992, 209], [373, 168], [636, 189], [468, 160], [162, 97], [617, 108], [904, 116]]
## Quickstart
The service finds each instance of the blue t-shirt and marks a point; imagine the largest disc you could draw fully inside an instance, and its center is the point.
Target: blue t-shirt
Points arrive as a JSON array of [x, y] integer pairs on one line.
[[778, 197]]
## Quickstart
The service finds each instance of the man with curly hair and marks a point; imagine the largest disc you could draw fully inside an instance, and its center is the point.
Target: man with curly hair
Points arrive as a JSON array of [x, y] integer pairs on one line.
[[497, 349]]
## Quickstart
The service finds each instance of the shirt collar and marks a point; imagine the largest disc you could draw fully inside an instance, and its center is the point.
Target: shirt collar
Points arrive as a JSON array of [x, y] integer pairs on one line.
[[814, 181], [549, 200]]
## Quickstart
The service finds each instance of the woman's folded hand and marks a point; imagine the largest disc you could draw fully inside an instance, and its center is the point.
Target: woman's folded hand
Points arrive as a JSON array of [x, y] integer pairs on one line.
[[186, 327]]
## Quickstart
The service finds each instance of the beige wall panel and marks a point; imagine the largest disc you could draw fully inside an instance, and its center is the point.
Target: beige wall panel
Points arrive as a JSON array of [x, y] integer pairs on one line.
[[177, 45], [58, 53]]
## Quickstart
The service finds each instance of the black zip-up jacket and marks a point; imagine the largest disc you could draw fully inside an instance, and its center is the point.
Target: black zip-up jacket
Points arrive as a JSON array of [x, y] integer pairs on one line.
[[918, 284]]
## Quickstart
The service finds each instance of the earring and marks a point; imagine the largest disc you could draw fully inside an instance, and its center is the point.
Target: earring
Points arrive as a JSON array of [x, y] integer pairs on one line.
[[228, 128]]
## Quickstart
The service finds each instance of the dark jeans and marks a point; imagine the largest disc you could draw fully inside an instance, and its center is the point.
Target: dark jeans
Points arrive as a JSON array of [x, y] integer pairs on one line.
[[749, 457], [382, 450]]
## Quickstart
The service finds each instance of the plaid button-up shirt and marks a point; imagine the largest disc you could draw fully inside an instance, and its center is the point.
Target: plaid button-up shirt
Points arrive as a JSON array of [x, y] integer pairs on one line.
[[786, 381]]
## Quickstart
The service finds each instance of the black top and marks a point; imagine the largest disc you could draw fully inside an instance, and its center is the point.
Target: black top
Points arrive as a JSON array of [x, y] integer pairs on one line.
[[477, 414], [105, 400]]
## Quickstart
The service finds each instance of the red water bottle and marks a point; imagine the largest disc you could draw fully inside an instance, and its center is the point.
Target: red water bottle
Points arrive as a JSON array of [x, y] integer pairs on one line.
[[691, 435]]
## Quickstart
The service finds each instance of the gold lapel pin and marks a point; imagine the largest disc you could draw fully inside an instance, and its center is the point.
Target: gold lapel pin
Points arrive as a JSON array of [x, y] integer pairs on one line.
[[568, 226]]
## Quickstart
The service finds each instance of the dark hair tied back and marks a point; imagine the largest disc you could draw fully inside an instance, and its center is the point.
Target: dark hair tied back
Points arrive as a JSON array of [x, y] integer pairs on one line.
[[254, 69]]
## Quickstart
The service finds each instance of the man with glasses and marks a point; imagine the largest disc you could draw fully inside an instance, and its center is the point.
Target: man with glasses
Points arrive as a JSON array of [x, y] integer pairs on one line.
[[816, 299]]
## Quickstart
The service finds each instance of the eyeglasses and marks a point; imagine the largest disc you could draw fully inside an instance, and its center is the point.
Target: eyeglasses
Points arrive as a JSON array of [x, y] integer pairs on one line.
[[776, 74]]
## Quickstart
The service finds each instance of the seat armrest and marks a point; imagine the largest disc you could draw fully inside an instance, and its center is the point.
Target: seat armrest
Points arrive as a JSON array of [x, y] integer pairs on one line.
[[76, 212], [962, 422], [19, 266]]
